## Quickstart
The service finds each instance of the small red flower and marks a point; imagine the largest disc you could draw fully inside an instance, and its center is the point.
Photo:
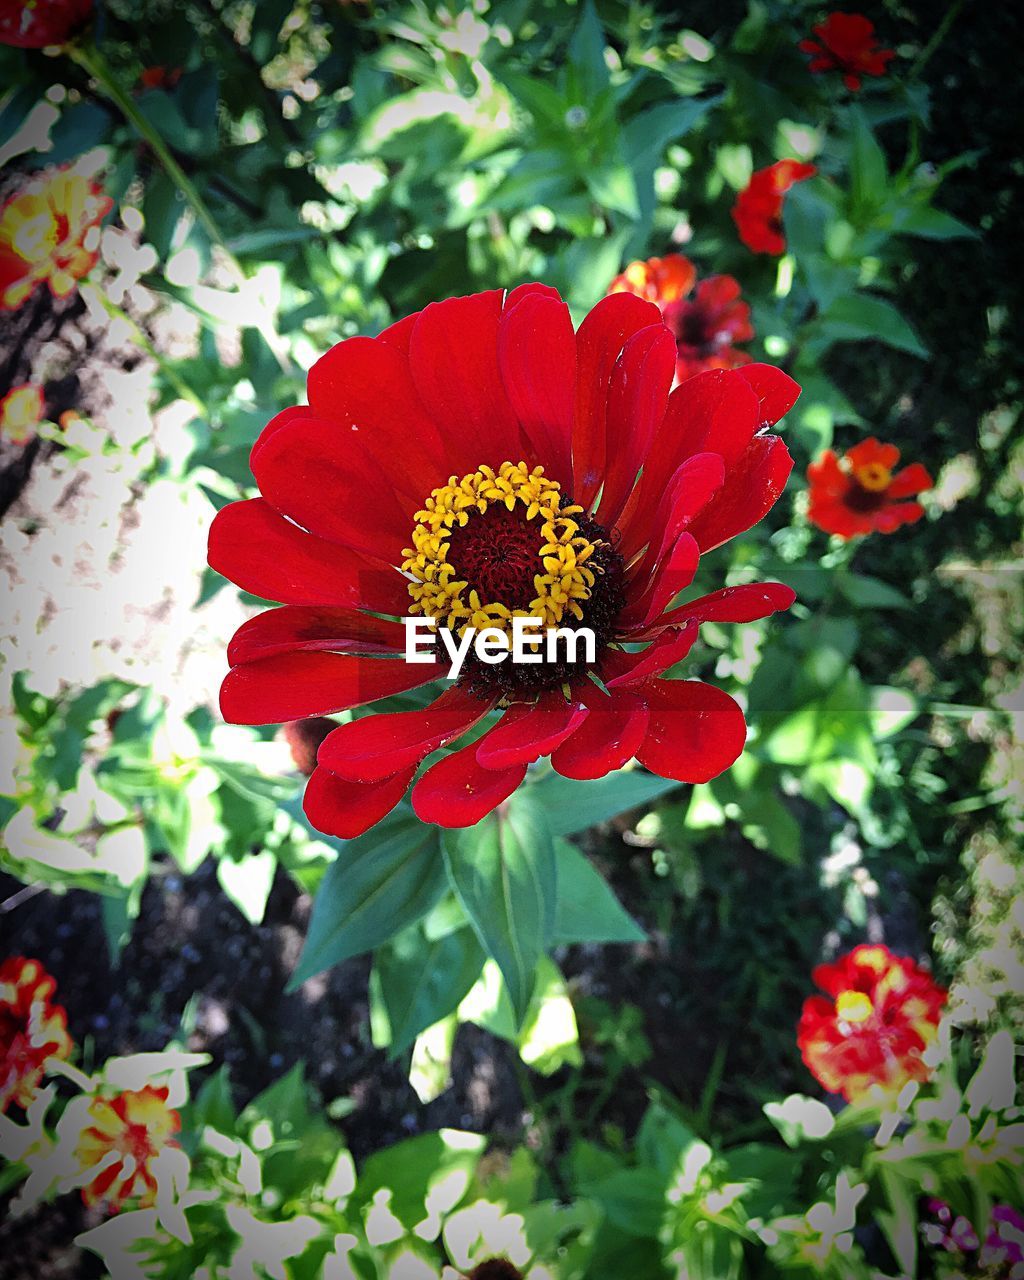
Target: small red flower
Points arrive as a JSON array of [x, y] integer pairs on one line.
[[706, 325], [160, 77], [49, 231], [860, 494], [477, 462], [880, 1014], [32, 1029], [35, 24], [21, 411], [847, 43], [758, 208], [127, 1133]]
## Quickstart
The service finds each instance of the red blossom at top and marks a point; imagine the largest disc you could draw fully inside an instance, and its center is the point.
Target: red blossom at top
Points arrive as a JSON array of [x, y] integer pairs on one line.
[[860, 494], [32, 1029], [49, 230], [480, 461], [847, 42], [758, 208], [880, 1013], [705, 325], [35, 24]]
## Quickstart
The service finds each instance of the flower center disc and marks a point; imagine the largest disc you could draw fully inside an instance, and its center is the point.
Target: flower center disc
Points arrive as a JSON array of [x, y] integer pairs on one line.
[[873, 477], [854, 1007], [496, 545]]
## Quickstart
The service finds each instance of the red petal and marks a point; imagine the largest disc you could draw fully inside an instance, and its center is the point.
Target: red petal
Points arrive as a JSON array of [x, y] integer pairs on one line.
[[264, 553], [537, 357], [315, 473], [670, 647], [312, 627], [528, 731], [365, 385], [672, 575], [399, 334], [745, 603], [609, 736], [689, 491], [600, 339], [453, 355], [776, 391], [910, 481], [458, 792], [695, 732], [290, 686], [641, 381], [347, 809], [750, 491], [294, 413], [376, 745]]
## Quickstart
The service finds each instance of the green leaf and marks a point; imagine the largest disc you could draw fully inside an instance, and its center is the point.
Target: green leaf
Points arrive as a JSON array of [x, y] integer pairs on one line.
[[587, 910], [380, 883], [446, 1159], [800, 1119], [859, 317], [423, 980], [586, 53], [575, 806], [504, 873], [248, 881], [613, 187], [868, 173], [870, 593], [931, 224]]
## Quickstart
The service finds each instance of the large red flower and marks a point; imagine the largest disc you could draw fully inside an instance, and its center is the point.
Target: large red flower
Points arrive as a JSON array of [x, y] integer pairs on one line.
[[477, 462], [847, 43], [860, 494], [705, 325], [880, 1014], [50, 230], [32, 1029], [118, 1147], [758, 208], [34, 24]]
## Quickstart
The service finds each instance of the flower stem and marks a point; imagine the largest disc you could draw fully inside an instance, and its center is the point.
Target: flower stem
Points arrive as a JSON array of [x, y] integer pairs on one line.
[[94, 64]]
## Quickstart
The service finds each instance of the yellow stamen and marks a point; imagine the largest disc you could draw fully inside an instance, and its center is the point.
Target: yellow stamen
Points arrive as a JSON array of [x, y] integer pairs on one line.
[[562, 577], [873, 477], [854, 1006]]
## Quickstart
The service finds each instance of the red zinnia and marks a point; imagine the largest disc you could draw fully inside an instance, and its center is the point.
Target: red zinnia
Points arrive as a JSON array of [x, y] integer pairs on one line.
[[881, 1013], [758, 208], [477, 462], [126, 1134], [49, 230], [860, 494], [706, 325], [847, 43], [32, 1029], [35, 24]]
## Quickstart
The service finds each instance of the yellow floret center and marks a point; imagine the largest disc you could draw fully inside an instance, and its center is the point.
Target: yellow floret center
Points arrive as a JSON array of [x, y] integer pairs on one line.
[[854, 1006], [563, 581]]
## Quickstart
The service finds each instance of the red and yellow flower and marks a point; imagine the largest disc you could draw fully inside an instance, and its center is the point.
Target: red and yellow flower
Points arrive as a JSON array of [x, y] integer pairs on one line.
[[479, 462], [705, 325], [118, 1147], [35, 24], [21, 411], [32, 1029], [862, 493], [847, 43], [50, 231], [880, 1013], [758, 208]]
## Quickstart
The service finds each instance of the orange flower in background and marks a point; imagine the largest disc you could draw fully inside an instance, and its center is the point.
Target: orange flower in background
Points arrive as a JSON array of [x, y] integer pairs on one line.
[[127, 1133], [35, 24], [32, 1029], [50, 231], [847, 43], [880, 1013], [21, 411], [706, 325], [859, 492], [758, 208]]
